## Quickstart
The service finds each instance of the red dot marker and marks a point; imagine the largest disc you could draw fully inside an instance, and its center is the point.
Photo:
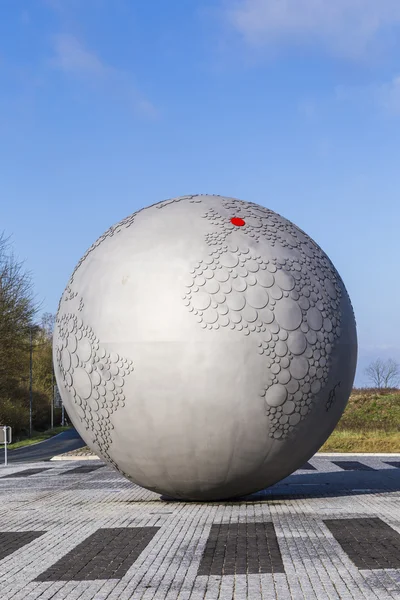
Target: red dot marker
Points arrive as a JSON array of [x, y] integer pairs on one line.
[[238, 222]]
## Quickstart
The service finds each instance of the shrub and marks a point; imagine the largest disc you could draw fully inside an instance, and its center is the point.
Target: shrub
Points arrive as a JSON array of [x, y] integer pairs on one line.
[[16, 415]]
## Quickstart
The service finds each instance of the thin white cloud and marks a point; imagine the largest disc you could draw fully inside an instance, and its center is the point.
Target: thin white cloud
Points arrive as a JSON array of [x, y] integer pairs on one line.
[[388, 95], [74, 59], [308, 110], [385, 96], [147, 108], [346, 28], [71, 57]]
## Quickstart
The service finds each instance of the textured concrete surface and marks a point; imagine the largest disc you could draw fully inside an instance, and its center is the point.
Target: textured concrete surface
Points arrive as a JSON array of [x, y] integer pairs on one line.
[[326, 533], [205, 346]]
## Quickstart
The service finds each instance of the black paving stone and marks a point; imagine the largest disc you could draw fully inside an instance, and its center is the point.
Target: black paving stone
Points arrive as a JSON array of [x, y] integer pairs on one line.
[[106, 554], [307, 467], [370, 543], [25, 473], [352, 465], [83, 469], [10, 541], [241, 548]]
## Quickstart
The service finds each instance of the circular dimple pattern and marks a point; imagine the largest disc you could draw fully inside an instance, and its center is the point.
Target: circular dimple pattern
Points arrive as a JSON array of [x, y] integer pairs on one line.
[[236, 301], [276, 395], [288, 314], [289, 407], [66, 359], [72, 343], [284, 280], [239, 285], [229, 260], [201, 301], [275, 292], [281, 348], [222, 275], [289, 302], [314, 318], [84, 349], [266, 279], [93, 377], [297, 342], [299, 367], [284, 376], [210, 316], [249, 314], [211, 287], [330, 288], [257, 297], [81, 382]]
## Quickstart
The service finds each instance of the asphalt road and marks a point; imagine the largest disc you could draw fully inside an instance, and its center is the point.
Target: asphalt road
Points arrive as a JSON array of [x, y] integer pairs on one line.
[[64, 442]]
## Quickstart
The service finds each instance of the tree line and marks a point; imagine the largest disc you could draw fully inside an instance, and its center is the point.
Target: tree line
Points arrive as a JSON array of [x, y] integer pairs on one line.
[[26, 366]]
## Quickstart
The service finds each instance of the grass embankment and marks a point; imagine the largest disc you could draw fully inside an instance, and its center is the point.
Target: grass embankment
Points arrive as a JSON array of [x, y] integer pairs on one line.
[[370, 423], [37, 437]]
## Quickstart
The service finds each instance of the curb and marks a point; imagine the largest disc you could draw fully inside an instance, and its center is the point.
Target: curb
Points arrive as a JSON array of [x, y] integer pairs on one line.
[[326, 454], [88, 457], [317, 455]]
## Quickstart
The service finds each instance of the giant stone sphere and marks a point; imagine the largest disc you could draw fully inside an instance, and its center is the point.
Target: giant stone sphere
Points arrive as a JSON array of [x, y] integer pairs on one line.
[[205, 347]]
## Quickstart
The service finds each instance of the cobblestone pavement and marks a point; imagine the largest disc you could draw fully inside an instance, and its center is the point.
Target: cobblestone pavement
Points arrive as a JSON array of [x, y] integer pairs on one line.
[[80, 531]]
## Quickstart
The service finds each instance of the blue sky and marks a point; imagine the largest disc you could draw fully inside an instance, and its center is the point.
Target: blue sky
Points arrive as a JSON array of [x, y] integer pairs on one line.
[[109, 105]]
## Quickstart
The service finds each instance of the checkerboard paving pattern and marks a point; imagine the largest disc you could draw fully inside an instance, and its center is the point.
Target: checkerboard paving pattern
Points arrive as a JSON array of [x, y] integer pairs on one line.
[[106, 554], [25, 473], [10, 541], [241, 548], [369, 543], [329, 531]]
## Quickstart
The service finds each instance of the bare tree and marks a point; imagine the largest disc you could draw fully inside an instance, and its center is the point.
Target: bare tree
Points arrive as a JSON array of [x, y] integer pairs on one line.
[[383, 373], [47, 324], [17, 310], [26, 366], [42, 355]]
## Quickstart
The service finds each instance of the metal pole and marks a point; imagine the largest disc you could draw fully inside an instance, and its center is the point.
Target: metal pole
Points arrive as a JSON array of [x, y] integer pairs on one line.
[[52, 401], [30, 383], [5, 445], [62, 415]]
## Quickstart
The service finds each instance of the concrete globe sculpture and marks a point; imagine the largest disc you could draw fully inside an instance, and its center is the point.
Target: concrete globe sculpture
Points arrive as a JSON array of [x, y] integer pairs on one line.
[[206, 347]]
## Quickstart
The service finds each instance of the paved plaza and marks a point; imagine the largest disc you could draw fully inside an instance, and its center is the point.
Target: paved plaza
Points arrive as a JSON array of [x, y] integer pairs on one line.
[[78, 530]]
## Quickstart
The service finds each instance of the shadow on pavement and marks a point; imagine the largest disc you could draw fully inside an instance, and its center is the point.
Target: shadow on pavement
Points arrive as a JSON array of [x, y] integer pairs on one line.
[[322, 485], [334, 484]]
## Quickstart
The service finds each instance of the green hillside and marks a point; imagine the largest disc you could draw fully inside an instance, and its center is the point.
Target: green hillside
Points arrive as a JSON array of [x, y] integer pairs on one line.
[[370, 423]]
